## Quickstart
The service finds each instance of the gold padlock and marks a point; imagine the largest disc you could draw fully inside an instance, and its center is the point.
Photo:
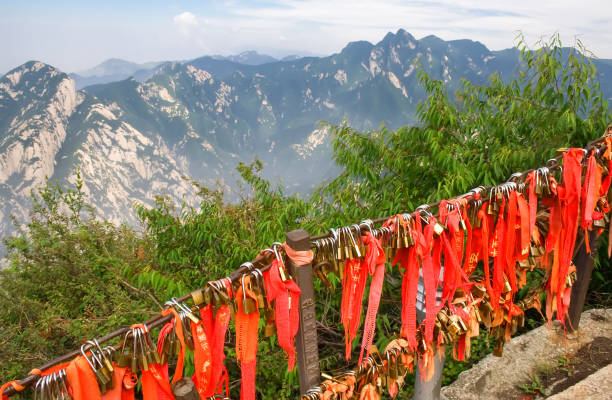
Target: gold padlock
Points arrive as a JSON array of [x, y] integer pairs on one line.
[[269, 329], [198, 297], [571, 279], [477, 315], [599, 223], [283, 274]]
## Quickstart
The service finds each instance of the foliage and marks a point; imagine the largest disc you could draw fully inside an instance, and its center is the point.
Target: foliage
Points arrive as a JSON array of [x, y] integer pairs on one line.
[[533, 387], [196, 245], [480, 137], [66, 280]]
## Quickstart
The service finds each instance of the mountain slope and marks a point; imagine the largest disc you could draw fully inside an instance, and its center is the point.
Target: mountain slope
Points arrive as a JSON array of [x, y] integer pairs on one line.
[[137, 137], [50, 130]]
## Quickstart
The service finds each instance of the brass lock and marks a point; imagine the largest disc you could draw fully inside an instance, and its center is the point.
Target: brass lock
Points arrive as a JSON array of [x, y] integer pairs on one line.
[[249, 304], [477, 314], [479, 290], [454, 329], [270, 329], [599, 223], [438, 228], [507, 286], [198, 297], [571, 278]]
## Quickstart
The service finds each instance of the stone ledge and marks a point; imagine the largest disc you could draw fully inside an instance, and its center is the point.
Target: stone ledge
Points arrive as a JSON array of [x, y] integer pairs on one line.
[[496, 377]]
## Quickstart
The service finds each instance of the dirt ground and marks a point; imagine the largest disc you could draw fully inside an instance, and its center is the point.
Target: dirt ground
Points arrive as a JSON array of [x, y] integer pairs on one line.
[[552, 378]]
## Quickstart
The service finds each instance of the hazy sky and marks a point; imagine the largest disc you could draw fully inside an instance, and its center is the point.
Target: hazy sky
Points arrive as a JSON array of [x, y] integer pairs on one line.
[[76, 35]]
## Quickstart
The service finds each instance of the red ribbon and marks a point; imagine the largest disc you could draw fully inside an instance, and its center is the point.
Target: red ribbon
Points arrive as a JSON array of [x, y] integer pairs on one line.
[[572, 175], [246, 341], [353, 287], [287, 297], [375, 264], [210, 372]]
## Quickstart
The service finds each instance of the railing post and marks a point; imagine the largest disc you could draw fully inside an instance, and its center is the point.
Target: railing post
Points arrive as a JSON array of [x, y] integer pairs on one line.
[[584, 269], [306, 339]]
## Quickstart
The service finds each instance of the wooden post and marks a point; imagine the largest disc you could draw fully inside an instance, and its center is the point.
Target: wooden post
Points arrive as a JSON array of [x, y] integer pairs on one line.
[[584, 269], [306, 339]]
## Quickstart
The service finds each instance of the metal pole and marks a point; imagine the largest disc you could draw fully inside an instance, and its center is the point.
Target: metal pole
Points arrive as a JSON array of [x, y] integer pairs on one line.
[[306, 339], [428, 390], [584, 269]]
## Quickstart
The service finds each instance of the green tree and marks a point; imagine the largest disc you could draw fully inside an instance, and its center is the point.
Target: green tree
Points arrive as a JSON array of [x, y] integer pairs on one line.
[[67, 280], [197, 245], [478, 137]]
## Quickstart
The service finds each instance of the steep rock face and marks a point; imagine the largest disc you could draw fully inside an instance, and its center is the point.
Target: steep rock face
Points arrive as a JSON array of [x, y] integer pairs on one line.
[[36, 102], [118, 163], [50, 130]]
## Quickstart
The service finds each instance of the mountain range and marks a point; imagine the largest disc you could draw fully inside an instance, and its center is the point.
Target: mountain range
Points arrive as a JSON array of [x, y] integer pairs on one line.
[[140, 129], [115, 69]]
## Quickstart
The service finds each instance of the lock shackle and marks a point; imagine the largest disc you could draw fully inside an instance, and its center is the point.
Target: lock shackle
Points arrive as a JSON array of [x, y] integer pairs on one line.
[[180, 306], [94, 352], [125, 337], [65, 381], [227, 283], [55, 382], [243, 289], [97, 345], [275, 247], [84, 347], [249, 265], [109, 350], [38, 387], [334, 233], [368, 223]]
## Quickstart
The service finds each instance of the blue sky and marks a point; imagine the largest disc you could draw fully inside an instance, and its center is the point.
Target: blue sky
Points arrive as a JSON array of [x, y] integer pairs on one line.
[[76, 35]]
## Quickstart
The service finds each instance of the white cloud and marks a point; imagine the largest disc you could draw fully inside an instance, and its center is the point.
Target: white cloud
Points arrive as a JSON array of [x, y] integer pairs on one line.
[[186, 22], [323, 26], [174, 30]]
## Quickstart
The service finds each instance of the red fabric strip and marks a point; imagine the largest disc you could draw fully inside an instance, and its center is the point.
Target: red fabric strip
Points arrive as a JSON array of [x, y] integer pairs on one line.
[[287, 297], [375, 258]]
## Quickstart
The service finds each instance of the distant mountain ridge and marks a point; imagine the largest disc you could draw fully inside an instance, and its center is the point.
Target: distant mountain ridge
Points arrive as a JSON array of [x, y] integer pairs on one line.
[[117, 66], [249, 57], [135, 138], [113, 70], [116, 69]]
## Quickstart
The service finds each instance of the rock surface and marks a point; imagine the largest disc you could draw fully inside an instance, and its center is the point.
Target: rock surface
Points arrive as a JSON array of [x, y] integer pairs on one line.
[[597, 386], [498, 377]]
